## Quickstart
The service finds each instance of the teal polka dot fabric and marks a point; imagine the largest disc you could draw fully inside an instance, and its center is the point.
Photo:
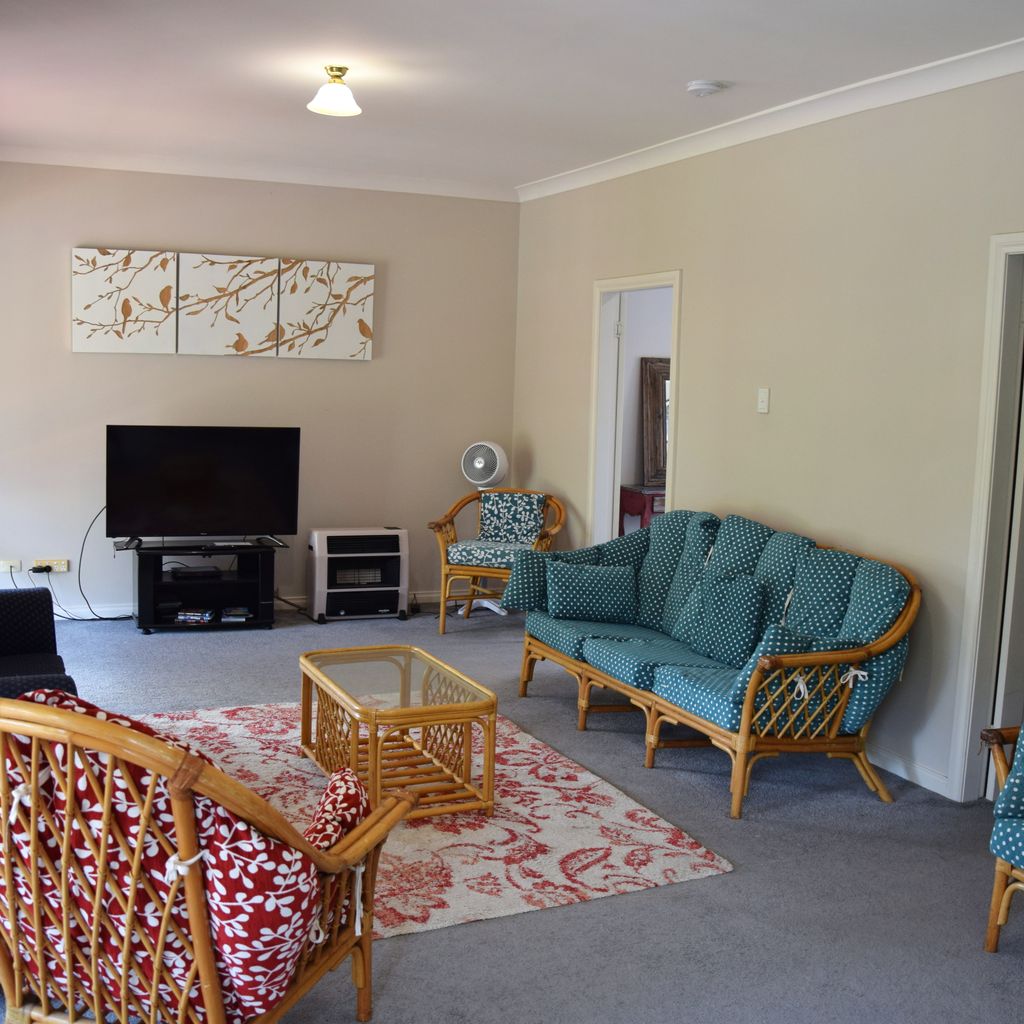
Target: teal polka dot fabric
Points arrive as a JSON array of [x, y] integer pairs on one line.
[[511, 518], [704, 692], [738, 546], [497, 554], [664, 550], [776, 568], [722, 618], [527, 587], [877, 597], [629, 550], [701, 529], [635, 661], [884, 671], [569, 636], [1008, 834], [821, 592], [596, 593]]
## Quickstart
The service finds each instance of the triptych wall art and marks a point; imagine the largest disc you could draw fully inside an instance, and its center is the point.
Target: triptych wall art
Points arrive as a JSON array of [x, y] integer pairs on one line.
[[186, 303]]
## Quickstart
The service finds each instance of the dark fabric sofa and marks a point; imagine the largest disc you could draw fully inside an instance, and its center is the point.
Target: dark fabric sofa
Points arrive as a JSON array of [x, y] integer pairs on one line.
[[28, 645]]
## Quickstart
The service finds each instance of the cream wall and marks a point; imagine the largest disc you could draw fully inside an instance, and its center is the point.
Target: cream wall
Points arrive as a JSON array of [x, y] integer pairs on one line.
[[844, 265], [381, 440]]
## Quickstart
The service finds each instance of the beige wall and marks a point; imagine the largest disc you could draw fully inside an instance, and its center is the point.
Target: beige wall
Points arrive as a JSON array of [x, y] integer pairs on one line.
[[380, 440], [843, 265]]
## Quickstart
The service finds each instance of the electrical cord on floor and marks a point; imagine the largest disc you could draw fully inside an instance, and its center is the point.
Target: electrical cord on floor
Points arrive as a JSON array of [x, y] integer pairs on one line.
[[297, 607], [56, 601], [96, 617]]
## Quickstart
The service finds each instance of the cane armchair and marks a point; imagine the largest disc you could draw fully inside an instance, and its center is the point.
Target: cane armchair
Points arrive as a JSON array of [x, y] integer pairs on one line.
[[1007, 842], [140, 883], [509, 521]]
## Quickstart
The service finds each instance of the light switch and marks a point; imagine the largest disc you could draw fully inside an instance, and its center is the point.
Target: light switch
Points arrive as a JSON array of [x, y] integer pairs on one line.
[[764, 396]]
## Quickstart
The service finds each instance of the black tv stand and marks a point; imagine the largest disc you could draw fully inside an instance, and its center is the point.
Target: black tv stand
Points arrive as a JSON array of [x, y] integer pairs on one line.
[[159, 595]]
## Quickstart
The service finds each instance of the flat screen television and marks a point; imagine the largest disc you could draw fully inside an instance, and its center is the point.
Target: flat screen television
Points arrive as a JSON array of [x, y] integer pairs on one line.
[[202, 481]]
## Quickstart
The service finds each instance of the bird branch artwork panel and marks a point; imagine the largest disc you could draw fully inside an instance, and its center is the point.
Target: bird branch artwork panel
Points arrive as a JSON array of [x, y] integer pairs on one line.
[[123, 300]]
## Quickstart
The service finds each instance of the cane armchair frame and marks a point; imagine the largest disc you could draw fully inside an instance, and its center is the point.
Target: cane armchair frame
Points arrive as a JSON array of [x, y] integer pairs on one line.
[[764, 731], [445, 531], [28, 998], [1009, 879]]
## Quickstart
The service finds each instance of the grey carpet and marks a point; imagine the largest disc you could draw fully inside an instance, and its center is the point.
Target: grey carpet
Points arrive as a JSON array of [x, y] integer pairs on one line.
[[840, 908]]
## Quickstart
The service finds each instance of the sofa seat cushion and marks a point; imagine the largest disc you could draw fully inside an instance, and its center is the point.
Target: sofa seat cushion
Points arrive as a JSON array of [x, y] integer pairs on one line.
[[510, 517], [32, 665], [635, 661], [569, 635], [592, 593], [492, 553], [704, 692], [722, 618]]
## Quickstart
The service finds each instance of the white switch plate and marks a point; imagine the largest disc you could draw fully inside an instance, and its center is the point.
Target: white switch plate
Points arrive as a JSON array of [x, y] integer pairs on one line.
[[764, 397]]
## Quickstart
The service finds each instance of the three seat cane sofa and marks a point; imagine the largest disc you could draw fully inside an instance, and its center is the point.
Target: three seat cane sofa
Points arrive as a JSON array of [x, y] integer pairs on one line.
[[760, 640]]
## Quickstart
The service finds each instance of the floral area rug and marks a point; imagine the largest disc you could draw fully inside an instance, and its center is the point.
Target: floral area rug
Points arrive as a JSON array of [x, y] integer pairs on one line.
[[559, 834]]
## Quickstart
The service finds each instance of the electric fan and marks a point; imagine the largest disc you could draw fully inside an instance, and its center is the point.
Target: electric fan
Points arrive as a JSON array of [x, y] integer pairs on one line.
[[484, 464]]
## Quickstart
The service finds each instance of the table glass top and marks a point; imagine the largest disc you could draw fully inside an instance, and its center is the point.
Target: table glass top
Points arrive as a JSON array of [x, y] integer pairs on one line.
[[394, 677]]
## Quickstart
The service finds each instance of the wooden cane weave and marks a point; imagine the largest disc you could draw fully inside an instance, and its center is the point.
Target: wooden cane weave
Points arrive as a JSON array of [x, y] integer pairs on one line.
[[111, 942]]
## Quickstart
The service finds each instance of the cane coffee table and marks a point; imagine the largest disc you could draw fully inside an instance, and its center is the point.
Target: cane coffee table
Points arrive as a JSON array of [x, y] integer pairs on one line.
[[403, 720]]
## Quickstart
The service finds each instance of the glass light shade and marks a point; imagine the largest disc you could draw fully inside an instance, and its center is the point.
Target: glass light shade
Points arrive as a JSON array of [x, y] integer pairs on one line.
[[334, 99]]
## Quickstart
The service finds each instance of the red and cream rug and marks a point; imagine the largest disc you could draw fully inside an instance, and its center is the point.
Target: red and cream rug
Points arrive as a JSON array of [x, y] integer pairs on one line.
[[559, 834]]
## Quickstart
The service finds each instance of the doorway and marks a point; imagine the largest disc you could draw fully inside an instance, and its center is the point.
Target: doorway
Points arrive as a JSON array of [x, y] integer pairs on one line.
[[635, 318], [991, 667]]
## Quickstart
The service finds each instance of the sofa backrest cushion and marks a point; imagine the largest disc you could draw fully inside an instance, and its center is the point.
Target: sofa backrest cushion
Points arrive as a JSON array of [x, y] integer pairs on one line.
[[664, 550], [878, 595], [527, 589], [592, 593], [628, 550], [511, 517], [738, 546], [821, 591], [722, 618], [776, 568], [701, 529]]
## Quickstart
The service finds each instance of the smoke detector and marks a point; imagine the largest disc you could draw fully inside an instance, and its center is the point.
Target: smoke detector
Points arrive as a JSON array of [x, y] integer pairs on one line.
[[705, 87]]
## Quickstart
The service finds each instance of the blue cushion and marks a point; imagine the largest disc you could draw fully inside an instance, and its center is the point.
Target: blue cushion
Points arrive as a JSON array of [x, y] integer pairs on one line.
[[595, 593], [569, 635], [635, 661], [511, 517], [700, 536], [496, 554], [776, 568], [527, 588], [821, 591], [883, 670], [1008, 834], [738, 546], [664, 549], [878, 595], [629, 550], [722, 618], [704, 692]]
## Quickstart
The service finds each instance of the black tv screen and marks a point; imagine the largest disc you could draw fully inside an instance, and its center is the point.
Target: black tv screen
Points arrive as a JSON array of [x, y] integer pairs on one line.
[[202, 481]]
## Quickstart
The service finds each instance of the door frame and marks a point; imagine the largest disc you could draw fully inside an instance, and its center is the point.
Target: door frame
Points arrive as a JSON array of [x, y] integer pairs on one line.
[[597, 528], [984, 593]]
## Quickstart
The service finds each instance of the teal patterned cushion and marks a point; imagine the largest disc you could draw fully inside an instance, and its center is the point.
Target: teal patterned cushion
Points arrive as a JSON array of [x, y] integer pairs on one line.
[[1008, 834], [701, 691], [884, 671], [495, 554], [629, 550], [595, 593], [664, 549], [527, 588], [569, 635], [821, 591], [738, 546], [635, 661], [776, 568], [700, 536], [878, 595], [722, 617], [511, 517]]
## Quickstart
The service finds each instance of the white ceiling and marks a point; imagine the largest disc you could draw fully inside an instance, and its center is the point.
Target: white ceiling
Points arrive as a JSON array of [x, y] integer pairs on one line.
[[460, 97]]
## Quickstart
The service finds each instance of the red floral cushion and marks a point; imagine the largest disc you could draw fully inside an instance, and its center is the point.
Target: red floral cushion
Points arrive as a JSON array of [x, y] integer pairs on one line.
[[342, 806], [262, 895]]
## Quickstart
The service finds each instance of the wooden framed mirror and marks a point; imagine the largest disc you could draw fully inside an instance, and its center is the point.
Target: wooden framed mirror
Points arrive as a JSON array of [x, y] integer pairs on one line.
[[654, 382]]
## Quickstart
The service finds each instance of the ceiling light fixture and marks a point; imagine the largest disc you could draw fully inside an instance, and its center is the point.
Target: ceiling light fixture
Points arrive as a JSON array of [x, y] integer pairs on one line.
[[701, 87], [334, 97]]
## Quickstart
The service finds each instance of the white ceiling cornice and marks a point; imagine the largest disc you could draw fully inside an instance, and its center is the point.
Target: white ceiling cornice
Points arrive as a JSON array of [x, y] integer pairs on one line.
[[940, 76]]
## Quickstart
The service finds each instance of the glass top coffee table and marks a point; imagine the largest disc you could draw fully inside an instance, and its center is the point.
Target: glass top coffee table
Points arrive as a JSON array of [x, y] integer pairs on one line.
[[401, 719]]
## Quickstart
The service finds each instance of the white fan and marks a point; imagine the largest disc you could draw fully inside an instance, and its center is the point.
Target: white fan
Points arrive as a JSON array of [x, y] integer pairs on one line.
[[484, 464]]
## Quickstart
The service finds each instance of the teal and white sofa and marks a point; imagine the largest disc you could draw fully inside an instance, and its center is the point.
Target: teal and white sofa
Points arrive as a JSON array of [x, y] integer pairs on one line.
[[758, 639]]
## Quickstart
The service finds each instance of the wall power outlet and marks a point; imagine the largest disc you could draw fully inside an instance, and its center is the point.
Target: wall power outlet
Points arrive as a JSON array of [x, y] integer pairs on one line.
[[10, 565], [55, 564]]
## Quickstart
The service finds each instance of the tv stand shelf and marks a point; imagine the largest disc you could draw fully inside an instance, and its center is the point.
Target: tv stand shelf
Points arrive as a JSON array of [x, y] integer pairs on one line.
[[159, 594]]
